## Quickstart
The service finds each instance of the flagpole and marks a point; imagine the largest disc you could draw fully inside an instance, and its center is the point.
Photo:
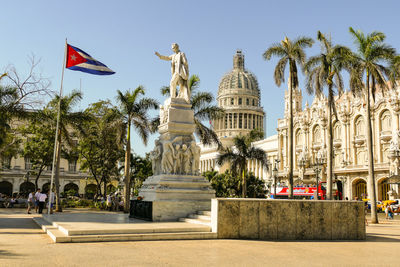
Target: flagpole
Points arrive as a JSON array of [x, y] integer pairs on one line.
[[57, 127]]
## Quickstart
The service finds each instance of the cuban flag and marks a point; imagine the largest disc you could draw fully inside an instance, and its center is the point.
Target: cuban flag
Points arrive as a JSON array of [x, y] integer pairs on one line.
[[82, 61]]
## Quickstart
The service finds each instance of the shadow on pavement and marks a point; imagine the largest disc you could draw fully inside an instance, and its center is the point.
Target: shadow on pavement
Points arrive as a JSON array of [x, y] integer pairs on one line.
[[4, 254], [17, 223]]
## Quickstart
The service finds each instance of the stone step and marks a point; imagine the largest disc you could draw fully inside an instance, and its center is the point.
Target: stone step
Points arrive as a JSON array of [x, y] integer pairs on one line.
[[148, 228], [196, 221], [200, 217], [204, 212], [42, 223], [59, 237]]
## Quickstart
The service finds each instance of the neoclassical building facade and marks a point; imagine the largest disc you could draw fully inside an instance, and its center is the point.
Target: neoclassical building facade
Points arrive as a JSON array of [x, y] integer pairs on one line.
[[18, 176], [310, 137], [349, 141]]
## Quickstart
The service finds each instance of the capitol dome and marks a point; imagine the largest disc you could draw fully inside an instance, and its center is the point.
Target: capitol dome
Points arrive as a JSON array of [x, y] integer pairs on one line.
[[239, 78], [239, 95]]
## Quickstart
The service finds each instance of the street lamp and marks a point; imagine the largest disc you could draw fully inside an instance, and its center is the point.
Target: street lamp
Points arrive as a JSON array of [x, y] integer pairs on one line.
[[275, 174], [318, 164]]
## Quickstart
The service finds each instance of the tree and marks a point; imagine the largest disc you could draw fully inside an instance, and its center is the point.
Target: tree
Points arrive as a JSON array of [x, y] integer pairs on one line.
[[70, 122], [140, 170], [229, 185], [371, 52], [322, 71], [292, 53], [242, 152], [203, 109], [100, 147], [38, 147], [134, 112]]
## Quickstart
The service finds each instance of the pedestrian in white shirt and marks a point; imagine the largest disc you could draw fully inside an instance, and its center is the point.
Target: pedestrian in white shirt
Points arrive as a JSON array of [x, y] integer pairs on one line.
[[42, 202], [37, 200], [31, 201]]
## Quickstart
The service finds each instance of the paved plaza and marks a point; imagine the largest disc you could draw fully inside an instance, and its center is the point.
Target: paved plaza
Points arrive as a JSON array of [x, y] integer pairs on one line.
[[22, 243]]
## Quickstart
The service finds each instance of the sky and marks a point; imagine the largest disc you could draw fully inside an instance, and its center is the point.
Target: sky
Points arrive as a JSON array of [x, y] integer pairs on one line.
[[124, 35]]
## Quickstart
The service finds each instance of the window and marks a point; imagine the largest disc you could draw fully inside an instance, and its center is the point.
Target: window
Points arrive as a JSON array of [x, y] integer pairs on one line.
[[240, 100], [28, 164], [254, 102], [247, 101], [240, 120], [226, 121], [232, 101], [230, 120], [245, 121], [6, 162], [254, 120], [235, 120], [359, 126], [72, 165]]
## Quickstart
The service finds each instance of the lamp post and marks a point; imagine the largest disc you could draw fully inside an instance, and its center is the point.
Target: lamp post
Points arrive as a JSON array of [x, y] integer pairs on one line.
[[320, 161], [275, 173]]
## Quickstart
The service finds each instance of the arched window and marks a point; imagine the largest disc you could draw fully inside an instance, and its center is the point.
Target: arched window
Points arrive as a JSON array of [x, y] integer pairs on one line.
[[385, 121], [299, 138], [317, 134], [359, 126], [6, 188], [337, 131]]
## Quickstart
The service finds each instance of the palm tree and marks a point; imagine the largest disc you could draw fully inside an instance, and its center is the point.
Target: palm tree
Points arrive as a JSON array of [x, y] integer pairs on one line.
[[367, 60], [134, 112], [322, 71], [242, 152], [203, 111], [69, 121], [291, 52]]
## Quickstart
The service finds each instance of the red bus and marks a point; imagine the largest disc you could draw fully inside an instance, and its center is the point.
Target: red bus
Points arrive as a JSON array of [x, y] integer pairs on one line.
[[304, 192]]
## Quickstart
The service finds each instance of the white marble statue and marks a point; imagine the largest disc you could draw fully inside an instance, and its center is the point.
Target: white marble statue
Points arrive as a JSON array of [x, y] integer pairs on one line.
[[167, 161], [195, 150], [178, 159], [180, 73], [163, 114], [185, 159], [155, 157]]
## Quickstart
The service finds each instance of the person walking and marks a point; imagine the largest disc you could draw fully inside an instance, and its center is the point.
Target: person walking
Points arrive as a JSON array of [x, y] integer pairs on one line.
[[387, 211], [366, 212], [42, 202], [31, 201], [390, 211], [37, 200]]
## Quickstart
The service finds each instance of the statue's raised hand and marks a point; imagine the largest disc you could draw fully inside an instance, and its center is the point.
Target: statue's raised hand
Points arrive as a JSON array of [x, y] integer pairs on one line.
[[157, 54]]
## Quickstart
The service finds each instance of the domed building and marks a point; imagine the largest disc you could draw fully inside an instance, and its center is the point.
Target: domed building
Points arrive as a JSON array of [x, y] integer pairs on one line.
[[239, 95]]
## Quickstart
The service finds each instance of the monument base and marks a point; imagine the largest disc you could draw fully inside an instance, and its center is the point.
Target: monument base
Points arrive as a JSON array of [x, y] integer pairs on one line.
[[176, 196]]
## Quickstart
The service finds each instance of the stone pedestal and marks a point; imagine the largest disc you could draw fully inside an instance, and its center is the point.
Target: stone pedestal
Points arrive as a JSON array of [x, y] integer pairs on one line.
[[176, 189]]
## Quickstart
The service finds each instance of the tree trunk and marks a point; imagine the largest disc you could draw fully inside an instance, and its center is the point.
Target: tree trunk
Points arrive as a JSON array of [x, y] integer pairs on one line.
[[329, 174], [126, 171], [57, 175], [37, 177], [244, 185], [371, 175], [290, 135]]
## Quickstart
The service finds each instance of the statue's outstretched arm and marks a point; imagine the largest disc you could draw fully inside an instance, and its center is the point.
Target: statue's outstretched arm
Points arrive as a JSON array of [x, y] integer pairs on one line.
[[163, 57]]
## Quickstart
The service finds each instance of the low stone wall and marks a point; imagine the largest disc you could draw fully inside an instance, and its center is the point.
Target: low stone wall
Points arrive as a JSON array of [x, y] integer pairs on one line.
[[288, 219]]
